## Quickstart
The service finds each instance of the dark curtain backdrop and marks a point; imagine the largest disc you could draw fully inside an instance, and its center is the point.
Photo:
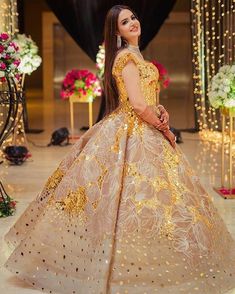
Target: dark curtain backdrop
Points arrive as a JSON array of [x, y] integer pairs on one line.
[[84, 19]]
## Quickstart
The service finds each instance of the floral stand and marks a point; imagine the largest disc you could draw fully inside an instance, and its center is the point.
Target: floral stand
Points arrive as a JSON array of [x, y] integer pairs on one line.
[[227, 192], [80, 99]]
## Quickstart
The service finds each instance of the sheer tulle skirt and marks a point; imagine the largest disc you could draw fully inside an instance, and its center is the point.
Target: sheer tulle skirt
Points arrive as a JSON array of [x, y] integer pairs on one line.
[[123, 213]]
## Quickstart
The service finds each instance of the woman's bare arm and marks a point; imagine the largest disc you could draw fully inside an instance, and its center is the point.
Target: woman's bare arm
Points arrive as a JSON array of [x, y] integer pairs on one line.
[[131, 79]]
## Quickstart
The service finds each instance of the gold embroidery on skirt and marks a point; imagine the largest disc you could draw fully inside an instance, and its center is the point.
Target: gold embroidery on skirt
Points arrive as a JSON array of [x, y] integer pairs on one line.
[[116, 146], [168, 226], [178, 188], [199, 217], [102, 175], [75, 201], [54, 180]]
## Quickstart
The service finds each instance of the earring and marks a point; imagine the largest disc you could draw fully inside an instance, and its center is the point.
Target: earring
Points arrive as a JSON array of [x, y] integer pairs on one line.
[[119, 41]]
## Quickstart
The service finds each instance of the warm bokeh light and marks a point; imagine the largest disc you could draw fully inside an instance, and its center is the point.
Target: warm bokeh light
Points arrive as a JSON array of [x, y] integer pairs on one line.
[[213, 46]]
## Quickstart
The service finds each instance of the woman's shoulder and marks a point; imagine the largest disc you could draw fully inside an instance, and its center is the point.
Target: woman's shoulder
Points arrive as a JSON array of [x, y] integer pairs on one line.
[[122, 58]]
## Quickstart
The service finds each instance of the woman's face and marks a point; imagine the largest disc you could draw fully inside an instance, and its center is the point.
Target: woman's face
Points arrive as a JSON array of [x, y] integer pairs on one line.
[[128, 25]]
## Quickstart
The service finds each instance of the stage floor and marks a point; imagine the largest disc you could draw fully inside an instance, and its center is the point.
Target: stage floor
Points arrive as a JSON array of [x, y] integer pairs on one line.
[[24, 182]]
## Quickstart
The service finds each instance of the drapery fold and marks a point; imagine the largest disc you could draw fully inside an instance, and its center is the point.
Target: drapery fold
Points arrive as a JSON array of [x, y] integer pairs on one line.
[[84, 19]]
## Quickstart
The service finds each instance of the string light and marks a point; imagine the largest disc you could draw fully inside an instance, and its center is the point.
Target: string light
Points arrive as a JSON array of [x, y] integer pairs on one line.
[[213, 46], [9, 24], [8, 17]]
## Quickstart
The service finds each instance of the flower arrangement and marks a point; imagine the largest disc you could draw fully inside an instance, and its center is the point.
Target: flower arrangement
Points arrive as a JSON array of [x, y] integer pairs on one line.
[[222, 87], [7, 207], [7, 204], [100, 58], [28, 50], [163, 74], [9, 58], [82, 83]]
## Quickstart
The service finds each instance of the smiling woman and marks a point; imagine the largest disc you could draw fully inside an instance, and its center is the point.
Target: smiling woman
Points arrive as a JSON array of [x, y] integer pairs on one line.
[[128, 27], [125, 25], [124, 212]]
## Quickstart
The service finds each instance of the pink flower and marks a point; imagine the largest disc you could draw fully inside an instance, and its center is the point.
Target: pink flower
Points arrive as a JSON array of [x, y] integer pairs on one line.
[[28, 155], [18, 76], [1, 48], [12, 44], [4, 36], [166, 83], [160, 67], [12, 204], [3, 66], [16, 62], [63, 95], [163, 74], [80, 81]]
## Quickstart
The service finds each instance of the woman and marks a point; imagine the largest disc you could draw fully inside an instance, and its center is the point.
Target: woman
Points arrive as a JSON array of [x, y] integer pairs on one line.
[[124, 212]]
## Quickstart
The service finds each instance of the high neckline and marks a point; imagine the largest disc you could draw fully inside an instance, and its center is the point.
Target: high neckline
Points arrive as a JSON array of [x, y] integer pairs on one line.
[[135, 49]]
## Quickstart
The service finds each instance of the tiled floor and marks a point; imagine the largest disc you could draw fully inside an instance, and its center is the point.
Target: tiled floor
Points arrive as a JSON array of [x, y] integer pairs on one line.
[[24, 182]]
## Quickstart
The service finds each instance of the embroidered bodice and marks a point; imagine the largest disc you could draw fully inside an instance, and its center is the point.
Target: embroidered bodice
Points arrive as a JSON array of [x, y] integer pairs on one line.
[[148, 78]]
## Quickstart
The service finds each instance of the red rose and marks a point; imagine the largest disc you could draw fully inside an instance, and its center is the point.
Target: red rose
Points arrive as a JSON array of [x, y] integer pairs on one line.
[[12, 204], [1, 48], [3, 66], [4, 36], [16, 62]]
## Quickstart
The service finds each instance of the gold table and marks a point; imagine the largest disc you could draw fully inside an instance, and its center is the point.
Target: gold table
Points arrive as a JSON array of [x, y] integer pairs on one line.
[[77, 99]]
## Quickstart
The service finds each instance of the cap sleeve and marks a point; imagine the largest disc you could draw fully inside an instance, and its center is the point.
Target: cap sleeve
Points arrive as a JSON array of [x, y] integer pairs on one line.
[[122, 61]]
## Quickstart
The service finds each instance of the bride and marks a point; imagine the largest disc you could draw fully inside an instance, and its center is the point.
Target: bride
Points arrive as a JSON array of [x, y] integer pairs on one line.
[[124, 212]]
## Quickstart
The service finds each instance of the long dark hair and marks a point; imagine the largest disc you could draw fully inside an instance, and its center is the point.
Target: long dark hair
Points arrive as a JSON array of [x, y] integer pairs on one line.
[[110, 43]]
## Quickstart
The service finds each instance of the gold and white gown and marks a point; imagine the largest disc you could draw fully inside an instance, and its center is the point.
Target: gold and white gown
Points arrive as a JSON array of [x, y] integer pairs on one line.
[[123, 213]]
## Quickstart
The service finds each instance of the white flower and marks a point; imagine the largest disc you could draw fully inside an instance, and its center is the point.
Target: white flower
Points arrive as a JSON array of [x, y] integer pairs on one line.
[[10, 49], [28, 50], [226, 89], [2, 74], [226, 81], [100, 59], [224, 69], [13, 66], [221, 92], [229, 103], [36, 60]]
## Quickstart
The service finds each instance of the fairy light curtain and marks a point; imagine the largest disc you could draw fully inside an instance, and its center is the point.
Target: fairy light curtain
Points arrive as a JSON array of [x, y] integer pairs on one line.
[[9, 24], [8, 16], [213, 23]]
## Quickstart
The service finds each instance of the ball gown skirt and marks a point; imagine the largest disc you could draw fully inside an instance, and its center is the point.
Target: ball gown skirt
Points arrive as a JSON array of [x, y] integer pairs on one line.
[[123, 213]]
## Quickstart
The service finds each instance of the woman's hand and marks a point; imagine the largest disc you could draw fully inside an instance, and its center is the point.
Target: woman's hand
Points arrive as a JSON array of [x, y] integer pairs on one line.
[[162, 126], [170, 137], [164, 115]]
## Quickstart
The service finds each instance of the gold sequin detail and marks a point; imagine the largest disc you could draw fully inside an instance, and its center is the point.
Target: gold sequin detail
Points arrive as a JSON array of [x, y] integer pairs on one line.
[[168, 227], [116, 146], [54, 180], [148, 83], [148, 77], [75, 201]]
